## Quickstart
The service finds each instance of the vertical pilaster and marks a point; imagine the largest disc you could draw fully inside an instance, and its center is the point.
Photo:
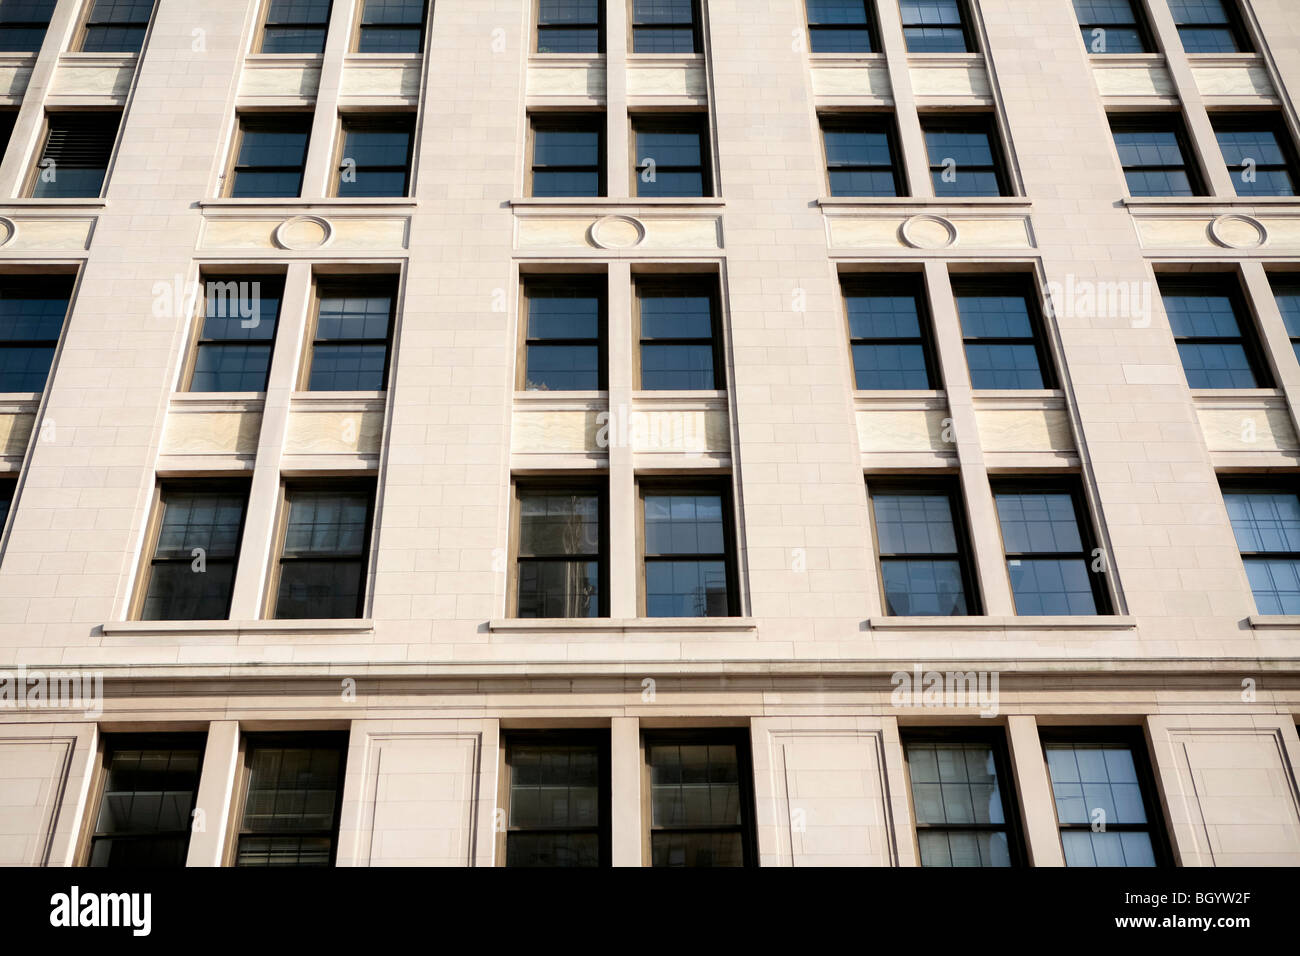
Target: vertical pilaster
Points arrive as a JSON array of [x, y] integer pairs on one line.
[[622, 478], [915, 157], [1034, 792], [625, 790], [318, 172], [618, 155], [216, 787]]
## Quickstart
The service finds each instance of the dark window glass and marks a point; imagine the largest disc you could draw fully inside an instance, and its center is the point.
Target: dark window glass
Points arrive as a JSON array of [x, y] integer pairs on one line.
[[1050, 553], [687, 554], [1153, 152], [558, 800], [860, 156], [700, 798], [296, 26], [354, 326], [32, 311], [964, 157], [323, 563], [568, 155], [841, 26], [671, 156], [293, 800], [1259, 154], [1111, 26], [1209, 26], [7, 120], [192, 572], [8, 489], [889, 334], [272, 151], [1266, 522], [935, 26], [561, 552], [376, 156], [150, 785], [23, 24], [116, 26], [1217, 347], [1286, 288], [963, 814], [924, 558], [75, 159], [241, 314], [664, 26], [1000, 327], [392, 26], [571, 26], [564, 341], [678, 334]]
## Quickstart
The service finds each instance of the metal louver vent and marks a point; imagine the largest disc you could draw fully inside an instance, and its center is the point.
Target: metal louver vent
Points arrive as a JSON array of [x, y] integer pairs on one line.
[[81, 139]]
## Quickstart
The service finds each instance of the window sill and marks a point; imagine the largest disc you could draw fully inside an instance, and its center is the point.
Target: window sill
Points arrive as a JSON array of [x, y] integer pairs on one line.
[[230, 202], [1274, 622], [31, 202], [607, 625], [561, 202], [1201, 202], [848, 58], [1235, 396], [1064, 622], [284, 59], [925, 202], [236, 628]]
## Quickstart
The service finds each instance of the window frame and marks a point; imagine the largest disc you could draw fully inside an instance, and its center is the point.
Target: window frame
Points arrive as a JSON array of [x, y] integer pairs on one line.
[[1006, 286], [696, 284], [577, 485], [9, 281], [1234, 24], [370, 120], [43, 143], [980, 121], [697, 31], [687, 486], [1162, 121], [1269, 121], [261, 118], [872, 28], [585, 121], [1287, 283], [599, 285], [652, 121], [1251, 337], [863, 285], [968, 34], [196, 339], [1140, 25], [264, 23], [874, 121], [359, 31], [324, 283], [539, 28], [85, 25], [1275, 483]]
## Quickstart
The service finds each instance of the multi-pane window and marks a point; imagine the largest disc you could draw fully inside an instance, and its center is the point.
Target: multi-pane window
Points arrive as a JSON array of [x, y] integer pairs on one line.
[[1266, 522], [392, 26], [925, 565], [561, 551], [936, 26], [233, 351], [23, 24], [1051, 557], [889, 333], [665, 26], [963, 805], [191, 574], [557, 798], [1286, 289], [671, 155], [564, 334], [861, 155], [841, 26], [296, 26], [116, 26], [1001, 329], [964, 156], [571, 26], [1112, 26], [376, 158], [1257, 148], [272, 152], [32, 311], [688, 552], [149, 788], [679, 333], [353, 329], [1153, 150], [568, 154], [292, 801], [1210, 26], [326, 533], [76, 154], [1214, 333], [700, 799]]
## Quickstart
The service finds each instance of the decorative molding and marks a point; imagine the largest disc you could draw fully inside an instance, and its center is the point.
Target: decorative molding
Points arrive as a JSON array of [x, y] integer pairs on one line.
[[916, 234], [1227, 231], [610, 232], [285, 236]]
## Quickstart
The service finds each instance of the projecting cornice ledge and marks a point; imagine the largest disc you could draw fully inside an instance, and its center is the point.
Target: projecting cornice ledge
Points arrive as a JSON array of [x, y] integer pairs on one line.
[[179, 629], [958, 625], [605, 626]]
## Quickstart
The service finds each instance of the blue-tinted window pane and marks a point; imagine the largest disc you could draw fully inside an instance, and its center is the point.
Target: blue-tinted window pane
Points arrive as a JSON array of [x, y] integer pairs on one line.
[[564, 328], [24, 368], [1104, 11], [1153, 163], [207, 520], [116, 26], [663, 11], [1038, 523], [1257, 162], [883, 317], [1003, 366], [840, 41], [1198, 11], [1264, 521], [559, 589], [1275, 583], [663, 40], [1287, 293], [961, 148], [676, 317], [348, 368], [240, 309], [680, 364], [98, 39], [669, 163], [671, 183], [837, 12], [564, 368], [230, 368], [1113, 40], [1202, 315], [839, 26], [568, 40], [1158, 183], [881, 366], [566, 183], [69, 183], [858, 148], [663, 26], [293, 39], [686, 589], [572, 12], [266, 147], [23, 24], [1217, 365], [684, 524], [914, 524], [992, 326], [557, 315], [270, 160], [326, 523], [1051, 586], [558, 524], [1210, 364], [994, 317], [1208, 40], [390, 40], [665, 367], [955, 785], [1045, 523], [923, 587], [375, 162], [1204, 26]]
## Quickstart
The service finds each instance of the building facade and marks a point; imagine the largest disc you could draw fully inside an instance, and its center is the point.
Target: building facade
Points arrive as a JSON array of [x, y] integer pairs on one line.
[[487, 432]]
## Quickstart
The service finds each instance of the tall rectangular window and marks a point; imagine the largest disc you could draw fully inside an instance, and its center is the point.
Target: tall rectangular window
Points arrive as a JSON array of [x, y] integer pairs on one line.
[[1153, 150], [556, 788], [841, 26], [936, 26], [191, 575], [671, 155], [32, 313], [564, 334], [889, 333], [392, 26], [353, 331], [1258, 150], [116, 26], [23, 24], [1286, 289], [571, 26], [1112, 26], [1265, 519], [665, 26], [1214, 333], [8, 491], [75, 158], [861, 155], [1051, 553], [965, 156], [233, 350], [562, 547], [293, 798], [688, 551], [326, 534], [272, 153], [1002, 332], [376, 159], [568, 154], [295, 26], [149, 787], [7, 120], [680, 345], [1210, 26], [963, 801], [701, 798], [925, 561]]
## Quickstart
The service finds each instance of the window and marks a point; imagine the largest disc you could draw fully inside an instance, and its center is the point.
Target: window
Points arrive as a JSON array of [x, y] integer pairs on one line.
[[1050, 551], [561, 551], [860, 155], [354, 326], [391, 26], [1259, 153], [376, 158], [936, 26], [1266, 522], [1103, 791], [557, 791], [701, 800], [564, 336], [568, 155], [1218, 348], [75, 158], [323, 559], [8, 491], [571, 26], [889, 333], [293, 799], [116, 26], [925, 567], [964, 816], [964, 156], [1286, 289], [1210, 26], [32, 312], [149, 785], [1153, 151], [671, 155], [233, 352], [1112, 26], [296, 26], [841, 26], [23, 24], [688, 551], [679, 333], [7, 120], [1002, 331], [665, 26], [196, 548], [272, 151]]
